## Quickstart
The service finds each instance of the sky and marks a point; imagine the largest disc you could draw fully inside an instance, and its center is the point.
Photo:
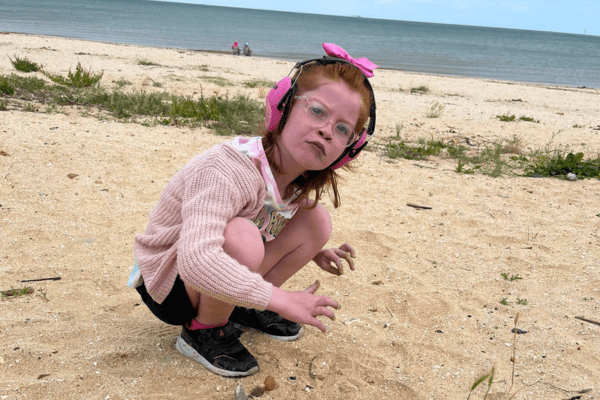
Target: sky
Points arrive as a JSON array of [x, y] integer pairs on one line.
[[568, 16]]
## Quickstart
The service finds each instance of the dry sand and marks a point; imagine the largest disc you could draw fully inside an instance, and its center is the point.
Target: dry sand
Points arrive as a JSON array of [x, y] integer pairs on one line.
[[421, 317]]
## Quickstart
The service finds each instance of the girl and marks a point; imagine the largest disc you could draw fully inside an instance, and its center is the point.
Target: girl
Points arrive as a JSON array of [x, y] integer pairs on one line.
[[243, 217]]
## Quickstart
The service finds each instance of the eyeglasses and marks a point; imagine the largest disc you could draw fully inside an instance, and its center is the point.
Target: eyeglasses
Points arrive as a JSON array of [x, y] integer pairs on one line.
[[319, 116]]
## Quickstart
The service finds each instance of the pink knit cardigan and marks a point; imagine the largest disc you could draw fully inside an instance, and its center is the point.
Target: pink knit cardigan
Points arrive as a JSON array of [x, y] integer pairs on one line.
[[185, 232]]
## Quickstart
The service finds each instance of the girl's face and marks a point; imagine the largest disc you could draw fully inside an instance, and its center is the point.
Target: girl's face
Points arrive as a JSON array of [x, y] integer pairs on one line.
[[303, 146]]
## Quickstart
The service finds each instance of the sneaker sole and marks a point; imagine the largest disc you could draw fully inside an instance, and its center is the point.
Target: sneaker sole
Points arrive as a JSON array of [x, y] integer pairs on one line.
[[188, 351], [281, 338]]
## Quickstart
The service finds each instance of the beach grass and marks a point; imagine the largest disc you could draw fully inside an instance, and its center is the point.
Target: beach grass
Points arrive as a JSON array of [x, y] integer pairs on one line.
[[80, 78], [435, 110], [500, 159], [419, 89], [24, 64], [259, 82], [236, 115]]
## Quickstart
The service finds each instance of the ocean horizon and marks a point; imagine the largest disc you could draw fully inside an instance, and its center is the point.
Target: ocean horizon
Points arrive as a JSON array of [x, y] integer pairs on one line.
[[457, 50]]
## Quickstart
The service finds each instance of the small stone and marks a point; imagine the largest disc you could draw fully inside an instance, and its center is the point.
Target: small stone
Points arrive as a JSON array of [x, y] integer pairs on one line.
[[571, 176], [72, 176], [270, 383], [258, 391], [239, 393], [351, 321]]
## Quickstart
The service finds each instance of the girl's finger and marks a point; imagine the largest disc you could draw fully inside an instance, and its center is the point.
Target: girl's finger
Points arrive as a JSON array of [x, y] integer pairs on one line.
[[325, 302], [313, 288], [331, 269], [340, 266], [319, 325], [348, 249], [326, 312], [348, 258]]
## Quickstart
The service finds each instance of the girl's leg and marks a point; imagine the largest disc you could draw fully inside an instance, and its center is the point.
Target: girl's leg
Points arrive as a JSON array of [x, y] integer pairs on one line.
[[244, 244], [297, 243]]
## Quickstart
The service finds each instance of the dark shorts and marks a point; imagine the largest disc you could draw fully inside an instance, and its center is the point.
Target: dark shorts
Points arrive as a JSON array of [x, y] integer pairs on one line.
[[177, 308]]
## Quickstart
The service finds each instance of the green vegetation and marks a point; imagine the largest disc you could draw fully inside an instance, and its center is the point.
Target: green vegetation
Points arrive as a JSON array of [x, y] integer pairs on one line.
[[504, 158], [399, 128], [529, 119], [24, 64], [512, 277], [506, 117], [522, 302], [238, 115], [6, 87], [81, 78], [217, 80], [435, 110], [146, 62], [490, 379], [401, 149], [122, 82], [420, 89], [556, 164], [504, 301], [13, 293], [259, 82]]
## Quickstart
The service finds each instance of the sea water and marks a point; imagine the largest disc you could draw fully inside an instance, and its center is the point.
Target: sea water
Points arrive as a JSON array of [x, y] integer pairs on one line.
[[492, 53]]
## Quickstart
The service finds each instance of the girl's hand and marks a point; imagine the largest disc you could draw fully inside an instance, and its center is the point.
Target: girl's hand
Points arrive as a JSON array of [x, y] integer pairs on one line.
[[329, 259], [303, 307]]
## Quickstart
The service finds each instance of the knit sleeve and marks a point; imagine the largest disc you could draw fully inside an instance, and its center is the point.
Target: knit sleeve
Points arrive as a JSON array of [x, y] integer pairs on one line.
[[214, 194]]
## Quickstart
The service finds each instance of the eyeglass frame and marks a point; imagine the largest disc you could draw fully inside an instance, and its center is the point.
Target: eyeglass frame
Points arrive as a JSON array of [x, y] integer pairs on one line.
[[351, 138]]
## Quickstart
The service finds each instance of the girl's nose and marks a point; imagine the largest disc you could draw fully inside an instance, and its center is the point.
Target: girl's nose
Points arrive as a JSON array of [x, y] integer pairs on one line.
[[326, 131]]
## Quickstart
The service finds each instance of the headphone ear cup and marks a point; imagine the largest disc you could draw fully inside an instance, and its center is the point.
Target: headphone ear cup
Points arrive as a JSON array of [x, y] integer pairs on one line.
[[353, 152], [272, 112]]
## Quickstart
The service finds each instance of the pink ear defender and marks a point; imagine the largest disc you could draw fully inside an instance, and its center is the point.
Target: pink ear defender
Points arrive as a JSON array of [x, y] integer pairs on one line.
[[276, 103], [273, 108]]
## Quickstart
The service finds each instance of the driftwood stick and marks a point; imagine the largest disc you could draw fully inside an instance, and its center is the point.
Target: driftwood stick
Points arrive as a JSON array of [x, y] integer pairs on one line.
[[55, 278], [417, 206], [589, 320]]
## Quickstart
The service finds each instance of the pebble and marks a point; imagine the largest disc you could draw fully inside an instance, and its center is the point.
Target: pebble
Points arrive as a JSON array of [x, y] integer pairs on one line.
[[269, 383], [258, 391], [571, 176], [239, 393]]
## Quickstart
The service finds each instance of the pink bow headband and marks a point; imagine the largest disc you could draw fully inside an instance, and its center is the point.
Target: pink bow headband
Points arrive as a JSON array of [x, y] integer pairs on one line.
[[366, 66]]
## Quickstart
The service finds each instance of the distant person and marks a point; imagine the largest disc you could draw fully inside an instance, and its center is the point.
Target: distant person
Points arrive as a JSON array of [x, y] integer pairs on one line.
[[247, 51], [235, 49]]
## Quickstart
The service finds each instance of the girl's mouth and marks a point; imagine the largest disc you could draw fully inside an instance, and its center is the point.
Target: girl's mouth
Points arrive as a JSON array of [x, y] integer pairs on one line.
[[319, 146]]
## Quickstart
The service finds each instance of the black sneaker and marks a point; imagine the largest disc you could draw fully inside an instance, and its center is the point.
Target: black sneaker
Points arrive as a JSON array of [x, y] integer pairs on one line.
[[268, 322], [218, 349]]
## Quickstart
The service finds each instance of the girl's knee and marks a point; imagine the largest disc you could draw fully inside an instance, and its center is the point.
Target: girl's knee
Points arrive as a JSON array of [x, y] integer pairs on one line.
[[320, 224], [243, 243]]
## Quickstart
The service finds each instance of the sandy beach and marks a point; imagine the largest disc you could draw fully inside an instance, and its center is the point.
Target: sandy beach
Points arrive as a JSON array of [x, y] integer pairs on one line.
[[422, 316]]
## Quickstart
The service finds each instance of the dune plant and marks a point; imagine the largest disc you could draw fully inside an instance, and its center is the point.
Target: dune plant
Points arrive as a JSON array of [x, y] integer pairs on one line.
[[506, 117], [80, 78], [259, 82], [237, 115], [490, 379], [529, 119], [147, 63], [435, 110], [24, 64], [6, 87], [420, 89]]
